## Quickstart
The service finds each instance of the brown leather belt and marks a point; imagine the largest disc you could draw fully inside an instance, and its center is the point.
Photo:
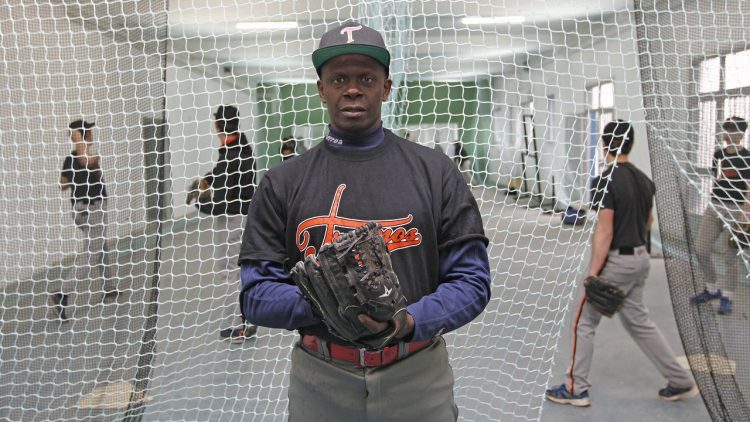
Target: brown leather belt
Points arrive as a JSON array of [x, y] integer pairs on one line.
[[363, 358]]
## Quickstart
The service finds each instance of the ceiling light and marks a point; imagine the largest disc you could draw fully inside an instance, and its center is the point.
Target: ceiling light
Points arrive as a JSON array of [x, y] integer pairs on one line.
[[266, 26], [492, 20]]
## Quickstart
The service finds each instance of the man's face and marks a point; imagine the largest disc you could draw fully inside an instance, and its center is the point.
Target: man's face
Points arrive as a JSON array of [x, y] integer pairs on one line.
[[76, 136], [732, 137], [353, 87]]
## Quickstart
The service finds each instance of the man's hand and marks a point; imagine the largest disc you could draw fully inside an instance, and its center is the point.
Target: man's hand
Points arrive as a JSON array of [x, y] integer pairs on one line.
[[376, 327], [198, 189], [64, 183]]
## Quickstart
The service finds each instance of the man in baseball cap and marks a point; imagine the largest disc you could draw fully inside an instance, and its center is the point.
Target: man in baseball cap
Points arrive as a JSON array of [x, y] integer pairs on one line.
[[351, 38], [363, 172], [82, 176]]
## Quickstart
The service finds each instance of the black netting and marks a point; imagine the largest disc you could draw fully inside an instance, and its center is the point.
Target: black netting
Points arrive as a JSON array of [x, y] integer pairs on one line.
[[674, 38]]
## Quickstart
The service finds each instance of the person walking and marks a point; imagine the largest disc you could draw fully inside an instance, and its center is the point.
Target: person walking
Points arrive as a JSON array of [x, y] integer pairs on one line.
[[82, 176], [619, 256]]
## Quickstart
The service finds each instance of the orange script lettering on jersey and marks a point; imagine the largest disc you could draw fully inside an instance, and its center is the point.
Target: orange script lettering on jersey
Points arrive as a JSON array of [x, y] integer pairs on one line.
[[394, 233]]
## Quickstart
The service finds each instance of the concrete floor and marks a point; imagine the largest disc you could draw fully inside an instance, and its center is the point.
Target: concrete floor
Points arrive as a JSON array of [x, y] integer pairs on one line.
[[502, 364]]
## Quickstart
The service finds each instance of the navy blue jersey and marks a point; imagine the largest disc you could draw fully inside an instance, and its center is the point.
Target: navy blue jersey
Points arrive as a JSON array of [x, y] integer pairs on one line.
[[415, 193]]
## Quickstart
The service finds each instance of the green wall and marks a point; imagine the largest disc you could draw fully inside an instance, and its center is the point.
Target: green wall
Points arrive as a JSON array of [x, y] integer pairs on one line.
[[280, 108], [465, 104]]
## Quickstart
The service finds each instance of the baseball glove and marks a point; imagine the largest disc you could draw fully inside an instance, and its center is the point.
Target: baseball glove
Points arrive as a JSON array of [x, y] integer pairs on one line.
[[740, 236], [353, 276], [606, 298], [193, 191]]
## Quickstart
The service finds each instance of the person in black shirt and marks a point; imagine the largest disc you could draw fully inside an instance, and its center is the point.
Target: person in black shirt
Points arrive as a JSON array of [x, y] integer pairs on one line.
[[82, 175], [619, 256], [225, 196], [730, 171]]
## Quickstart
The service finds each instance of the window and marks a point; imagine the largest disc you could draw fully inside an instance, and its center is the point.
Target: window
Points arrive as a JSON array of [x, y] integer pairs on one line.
[[737, 75], [710, 74], [724, 91], [601, 102]]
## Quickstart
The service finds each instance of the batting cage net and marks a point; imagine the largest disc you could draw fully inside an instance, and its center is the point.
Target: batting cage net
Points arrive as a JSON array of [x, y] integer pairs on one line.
[[516, 92], [694, 58]]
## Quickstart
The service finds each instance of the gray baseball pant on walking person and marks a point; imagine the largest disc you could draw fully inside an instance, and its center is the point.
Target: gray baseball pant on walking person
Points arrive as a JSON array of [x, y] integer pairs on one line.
[[629, 273], [91, 219], [227, 239], [416, 388], [711, 228]]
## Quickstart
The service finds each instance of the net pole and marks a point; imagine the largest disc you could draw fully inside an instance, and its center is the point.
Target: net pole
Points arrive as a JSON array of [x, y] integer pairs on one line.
[[156, 162]]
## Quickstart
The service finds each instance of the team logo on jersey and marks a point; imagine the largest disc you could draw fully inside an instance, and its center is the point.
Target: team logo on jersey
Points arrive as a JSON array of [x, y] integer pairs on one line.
[[395, 232]]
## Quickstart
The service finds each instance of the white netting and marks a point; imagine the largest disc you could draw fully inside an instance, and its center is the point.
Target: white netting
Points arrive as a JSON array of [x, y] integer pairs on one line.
[[525, 92]]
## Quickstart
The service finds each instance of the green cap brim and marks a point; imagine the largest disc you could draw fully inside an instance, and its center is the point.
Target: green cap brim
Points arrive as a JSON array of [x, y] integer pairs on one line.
[[322, 55]]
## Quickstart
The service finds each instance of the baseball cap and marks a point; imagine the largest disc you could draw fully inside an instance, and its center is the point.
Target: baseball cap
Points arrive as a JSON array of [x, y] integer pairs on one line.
[[80, 124], [226, 113], [734, 124], [351, 38]]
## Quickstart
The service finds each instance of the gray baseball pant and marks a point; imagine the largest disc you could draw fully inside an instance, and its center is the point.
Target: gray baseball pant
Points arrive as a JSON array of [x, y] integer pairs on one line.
[[416, 388], [711, 228], [628, 272], [227, 239], [91, 219]]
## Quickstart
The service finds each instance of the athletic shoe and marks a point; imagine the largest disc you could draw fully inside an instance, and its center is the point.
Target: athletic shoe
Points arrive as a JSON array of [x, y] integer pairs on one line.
[[59, 301], [560, 394], [705, 296], [238, 334], [250, 330], [673, 393], [725, 306]]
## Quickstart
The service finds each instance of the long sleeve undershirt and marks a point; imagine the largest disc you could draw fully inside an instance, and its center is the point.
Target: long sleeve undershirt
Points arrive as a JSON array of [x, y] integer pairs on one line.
[[269, 298]]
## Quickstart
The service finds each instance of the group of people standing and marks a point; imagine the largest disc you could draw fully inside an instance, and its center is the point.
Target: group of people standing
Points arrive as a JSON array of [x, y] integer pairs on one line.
[[363, 172]]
